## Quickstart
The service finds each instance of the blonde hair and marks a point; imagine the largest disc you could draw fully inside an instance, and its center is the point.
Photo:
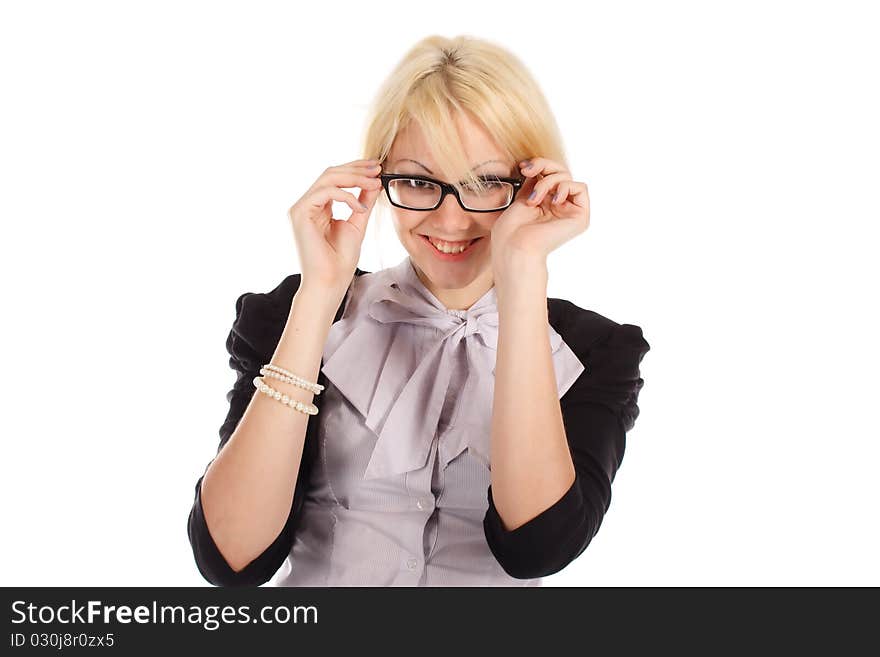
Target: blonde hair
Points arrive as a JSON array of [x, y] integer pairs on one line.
[[440, 76]]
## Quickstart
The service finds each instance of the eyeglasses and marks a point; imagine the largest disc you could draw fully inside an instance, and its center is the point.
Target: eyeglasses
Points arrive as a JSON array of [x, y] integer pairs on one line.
[[414, 192]]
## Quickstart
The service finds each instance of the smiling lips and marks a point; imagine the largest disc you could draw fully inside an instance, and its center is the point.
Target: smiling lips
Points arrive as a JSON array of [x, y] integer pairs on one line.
[[449, 247]]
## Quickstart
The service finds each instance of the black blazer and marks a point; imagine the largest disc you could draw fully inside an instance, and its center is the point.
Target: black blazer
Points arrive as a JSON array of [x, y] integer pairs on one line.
[[598, 410]]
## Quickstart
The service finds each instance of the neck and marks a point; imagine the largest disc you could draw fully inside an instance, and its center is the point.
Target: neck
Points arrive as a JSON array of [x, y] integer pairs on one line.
[[459, 298]]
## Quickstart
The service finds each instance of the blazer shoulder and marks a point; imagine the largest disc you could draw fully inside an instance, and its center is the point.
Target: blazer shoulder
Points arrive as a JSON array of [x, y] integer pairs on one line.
[[261, 315], [580, 327], [279, 298], [590, 334]]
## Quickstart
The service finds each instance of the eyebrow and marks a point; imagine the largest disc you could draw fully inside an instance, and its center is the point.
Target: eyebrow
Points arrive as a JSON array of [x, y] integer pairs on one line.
[[406, 159]]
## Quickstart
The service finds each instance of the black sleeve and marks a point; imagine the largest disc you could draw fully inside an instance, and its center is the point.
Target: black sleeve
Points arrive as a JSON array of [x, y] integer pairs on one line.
[[598, 410], [251, 342]]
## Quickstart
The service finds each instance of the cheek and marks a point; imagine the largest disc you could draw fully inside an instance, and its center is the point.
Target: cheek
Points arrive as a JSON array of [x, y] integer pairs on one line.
[[405, 222], [488, 221], [409, 227]]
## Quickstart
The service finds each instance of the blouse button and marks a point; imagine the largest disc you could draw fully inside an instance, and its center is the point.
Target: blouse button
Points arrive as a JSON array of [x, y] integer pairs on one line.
[[412, 563], [423, 503]]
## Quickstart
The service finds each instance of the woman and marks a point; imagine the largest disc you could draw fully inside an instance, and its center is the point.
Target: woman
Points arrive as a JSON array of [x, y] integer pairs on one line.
[[467, 428]]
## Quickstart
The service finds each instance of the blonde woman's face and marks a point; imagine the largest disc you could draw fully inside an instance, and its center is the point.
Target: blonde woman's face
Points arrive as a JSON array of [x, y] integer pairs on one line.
[[456, 280]]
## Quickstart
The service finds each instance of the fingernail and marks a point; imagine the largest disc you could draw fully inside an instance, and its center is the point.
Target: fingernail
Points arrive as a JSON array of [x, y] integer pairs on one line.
[[556, 198], [363, 206], [532, 196]]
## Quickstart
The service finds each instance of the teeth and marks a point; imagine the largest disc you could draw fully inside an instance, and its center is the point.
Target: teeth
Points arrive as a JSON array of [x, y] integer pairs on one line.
[[446, 247]]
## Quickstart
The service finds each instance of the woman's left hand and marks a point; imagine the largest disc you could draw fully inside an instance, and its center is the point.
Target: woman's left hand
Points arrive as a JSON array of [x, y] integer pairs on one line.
[[530, 229]]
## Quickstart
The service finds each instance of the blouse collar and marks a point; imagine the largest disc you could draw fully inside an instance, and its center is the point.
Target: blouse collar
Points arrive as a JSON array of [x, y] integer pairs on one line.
[[401, 395]]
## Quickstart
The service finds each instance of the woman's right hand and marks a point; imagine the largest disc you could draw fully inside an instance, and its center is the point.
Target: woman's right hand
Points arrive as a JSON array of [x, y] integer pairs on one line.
[[329, 248]]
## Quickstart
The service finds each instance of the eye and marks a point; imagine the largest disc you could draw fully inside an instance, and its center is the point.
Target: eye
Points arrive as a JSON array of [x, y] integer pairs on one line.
[[489, 184], [417, 184]]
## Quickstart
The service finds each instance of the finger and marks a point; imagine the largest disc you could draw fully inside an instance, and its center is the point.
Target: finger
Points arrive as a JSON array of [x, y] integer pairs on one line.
[[321, 196], [360, 163], [540, 166], [348, 179], [574, 211], [545, 185], [359, 167], [525, 190], [562, 193], [367, 197], [369, 164], [579, 195], [559, 205], [361, 170]]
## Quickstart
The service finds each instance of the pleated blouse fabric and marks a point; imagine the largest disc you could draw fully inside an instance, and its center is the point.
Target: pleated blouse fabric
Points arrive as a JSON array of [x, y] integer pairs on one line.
[[394, 485]]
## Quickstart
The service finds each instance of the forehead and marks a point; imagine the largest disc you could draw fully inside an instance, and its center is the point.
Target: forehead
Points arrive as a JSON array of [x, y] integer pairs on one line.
[[478, 145]]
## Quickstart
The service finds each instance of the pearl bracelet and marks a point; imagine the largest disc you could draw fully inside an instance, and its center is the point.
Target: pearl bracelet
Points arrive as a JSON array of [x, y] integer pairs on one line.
[[309, 409], [289, 377]]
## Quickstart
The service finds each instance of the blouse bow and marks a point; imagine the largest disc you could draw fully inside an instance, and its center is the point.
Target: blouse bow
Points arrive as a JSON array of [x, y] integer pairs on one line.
[[399, 382]]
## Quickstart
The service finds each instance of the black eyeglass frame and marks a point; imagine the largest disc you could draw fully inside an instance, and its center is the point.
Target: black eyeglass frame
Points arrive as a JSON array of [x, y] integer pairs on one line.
[[447, 188]]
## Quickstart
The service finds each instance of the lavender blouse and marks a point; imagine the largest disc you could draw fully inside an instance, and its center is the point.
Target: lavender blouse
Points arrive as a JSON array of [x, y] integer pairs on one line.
[[399, 496]]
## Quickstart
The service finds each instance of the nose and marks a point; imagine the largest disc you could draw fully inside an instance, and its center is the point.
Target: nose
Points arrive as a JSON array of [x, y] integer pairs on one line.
[[450, 218]]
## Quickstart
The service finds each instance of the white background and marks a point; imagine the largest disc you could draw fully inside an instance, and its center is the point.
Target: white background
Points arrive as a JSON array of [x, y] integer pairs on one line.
[[149, 153]]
